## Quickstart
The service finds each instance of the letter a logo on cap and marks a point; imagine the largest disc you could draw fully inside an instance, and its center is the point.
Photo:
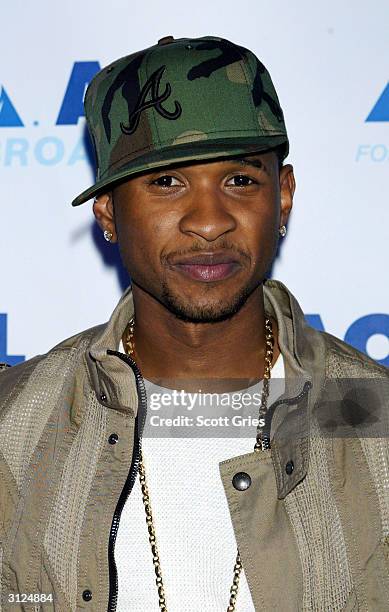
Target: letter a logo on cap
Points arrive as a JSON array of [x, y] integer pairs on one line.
[[151, 86]]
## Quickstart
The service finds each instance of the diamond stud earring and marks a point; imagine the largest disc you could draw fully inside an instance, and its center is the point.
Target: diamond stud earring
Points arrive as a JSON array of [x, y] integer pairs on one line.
[[282, 230], [108, 235]]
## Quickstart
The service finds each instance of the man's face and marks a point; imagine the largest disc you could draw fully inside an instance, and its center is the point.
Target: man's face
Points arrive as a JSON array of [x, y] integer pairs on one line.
[[200, 238]]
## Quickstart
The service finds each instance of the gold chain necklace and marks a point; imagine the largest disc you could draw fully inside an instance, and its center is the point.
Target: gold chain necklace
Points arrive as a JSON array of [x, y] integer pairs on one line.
[[261, 443]]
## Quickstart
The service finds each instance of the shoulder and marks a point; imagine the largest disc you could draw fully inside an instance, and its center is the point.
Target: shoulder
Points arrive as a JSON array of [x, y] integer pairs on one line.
[[345, 361], [354, 395], [45, 372]]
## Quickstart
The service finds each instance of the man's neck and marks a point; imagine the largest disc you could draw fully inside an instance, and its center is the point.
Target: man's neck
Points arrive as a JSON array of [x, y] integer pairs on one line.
[[168, 349]]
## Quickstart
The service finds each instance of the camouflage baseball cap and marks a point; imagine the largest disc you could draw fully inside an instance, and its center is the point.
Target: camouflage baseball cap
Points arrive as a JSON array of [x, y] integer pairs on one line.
[[177, 101]]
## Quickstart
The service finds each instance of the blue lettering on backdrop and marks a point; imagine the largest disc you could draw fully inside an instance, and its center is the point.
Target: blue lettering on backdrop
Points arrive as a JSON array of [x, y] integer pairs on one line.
[[315, 321], [72, 106], [4, 358], [16, 148], [374, 153], [380, 111], [364, 328], [49, 151], [360, 331], [8, 115]]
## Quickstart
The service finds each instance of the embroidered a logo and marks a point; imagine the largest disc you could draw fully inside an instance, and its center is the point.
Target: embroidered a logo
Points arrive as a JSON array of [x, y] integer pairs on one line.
[[151, 89]]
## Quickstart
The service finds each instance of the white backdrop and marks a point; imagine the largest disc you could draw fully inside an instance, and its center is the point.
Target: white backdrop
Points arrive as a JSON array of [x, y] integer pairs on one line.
[[329, 65]]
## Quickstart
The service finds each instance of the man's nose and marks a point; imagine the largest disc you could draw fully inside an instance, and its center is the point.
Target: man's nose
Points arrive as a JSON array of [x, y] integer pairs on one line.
[[207, 215]]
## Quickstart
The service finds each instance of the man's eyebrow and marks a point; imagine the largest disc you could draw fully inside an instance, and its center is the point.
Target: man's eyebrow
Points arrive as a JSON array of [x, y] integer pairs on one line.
[[257, 163]]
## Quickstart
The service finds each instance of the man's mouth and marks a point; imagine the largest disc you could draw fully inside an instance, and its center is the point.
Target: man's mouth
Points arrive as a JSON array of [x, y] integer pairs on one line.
[[207, 267], [208, 273]]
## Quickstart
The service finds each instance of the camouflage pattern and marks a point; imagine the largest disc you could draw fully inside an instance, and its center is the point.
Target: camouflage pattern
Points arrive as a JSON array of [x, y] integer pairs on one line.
[[180, 100]]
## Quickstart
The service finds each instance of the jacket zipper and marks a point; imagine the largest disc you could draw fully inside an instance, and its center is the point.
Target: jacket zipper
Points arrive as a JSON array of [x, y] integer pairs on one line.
[[142, 409], [270, 412]]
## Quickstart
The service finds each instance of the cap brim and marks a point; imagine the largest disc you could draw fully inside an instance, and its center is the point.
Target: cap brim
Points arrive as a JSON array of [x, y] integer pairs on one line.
[[179, 154]]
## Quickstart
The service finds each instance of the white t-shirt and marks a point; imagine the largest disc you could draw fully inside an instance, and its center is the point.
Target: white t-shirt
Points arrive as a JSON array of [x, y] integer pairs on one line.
[[195, 538]]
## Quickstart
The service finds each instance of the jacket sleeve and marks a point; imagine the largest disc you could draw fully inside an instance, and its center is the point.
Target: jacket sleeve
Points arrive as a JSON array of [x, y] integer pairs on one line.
[[12, 382]]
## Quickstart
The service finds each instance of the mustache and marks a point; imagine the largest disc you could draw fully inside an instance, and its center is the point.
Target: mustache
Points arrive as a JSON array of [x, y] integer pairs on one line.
[[201, 248]]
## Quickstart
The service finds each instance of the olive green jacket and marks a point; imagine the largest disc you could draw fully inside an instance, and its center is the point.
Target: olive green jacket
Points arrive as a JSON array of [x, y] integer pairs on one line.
[[312, 528]]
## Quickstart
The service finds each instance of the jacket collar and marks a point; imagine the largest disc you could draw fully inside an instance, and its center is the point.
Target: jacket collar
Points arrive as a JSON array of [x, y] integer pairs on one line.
[[303, 351], [302, 348], [113, 381]]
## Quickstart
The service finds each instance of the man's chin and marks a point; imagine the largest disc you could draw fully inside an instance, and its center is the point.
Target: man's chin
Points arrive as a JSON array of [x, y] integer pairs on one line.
[[211, 311]]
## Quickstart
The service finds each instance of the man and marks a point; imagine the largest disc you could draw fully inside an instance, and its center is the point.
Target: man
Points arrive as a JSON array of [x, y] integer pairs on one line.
[[190, 142]]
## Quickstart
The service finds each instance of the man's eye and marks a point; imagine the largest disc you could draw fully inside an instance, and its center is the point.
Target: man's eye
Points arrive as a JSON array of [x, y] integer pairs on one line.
[[241, 180], [166, 181]]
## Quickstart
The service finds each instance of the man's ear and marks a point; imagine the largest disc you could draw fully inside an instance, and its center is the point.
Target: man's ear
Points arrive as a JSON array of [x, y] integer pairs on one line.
[[287, 189], [104, 213]]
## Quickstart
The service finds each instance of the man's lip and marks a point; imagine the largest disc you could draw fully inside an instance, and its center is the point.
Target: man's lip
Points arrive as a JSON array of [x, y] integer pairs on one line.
[[208, 273], [205, 259]]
